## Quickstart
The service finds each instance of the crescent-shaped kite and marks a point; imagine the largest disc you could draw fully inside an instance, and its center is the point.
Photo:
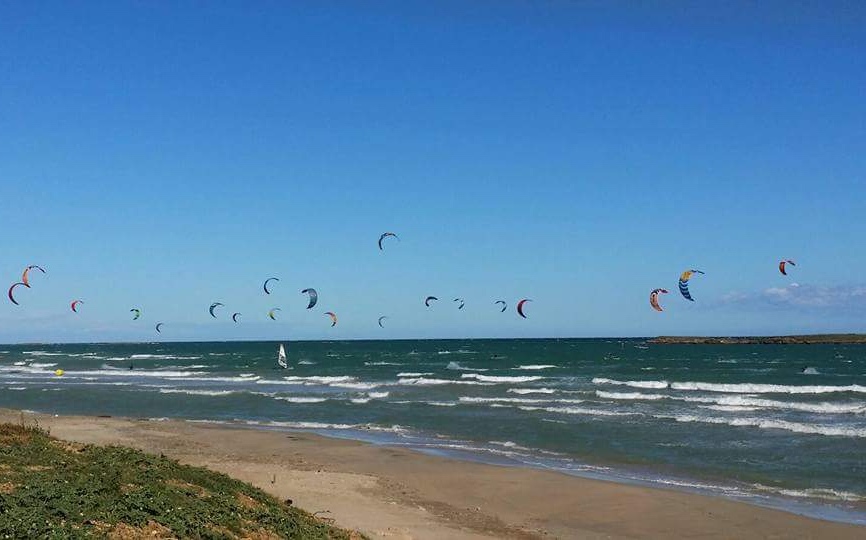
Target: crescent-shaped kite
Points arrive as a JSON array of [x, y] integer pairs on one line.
[[158, 326], [213, 307], [382, 318], [333, 317], [314, 297], [12, 289], [462, 303], [74, 305], [504, 305], [384, 236], [428, 299], [520, 307], [783, 264], [684, 283], [272, 312], [654, 298], [265, 285], [235, 317], [25, 277], [136, 313]]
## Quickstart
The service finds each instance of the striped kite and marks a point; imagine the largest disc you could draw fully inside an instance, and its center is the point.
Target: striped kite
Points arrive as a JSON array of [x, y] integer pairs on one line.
[[684, 283], [74, 305], [272, 312], [136, 312], [333, 317]]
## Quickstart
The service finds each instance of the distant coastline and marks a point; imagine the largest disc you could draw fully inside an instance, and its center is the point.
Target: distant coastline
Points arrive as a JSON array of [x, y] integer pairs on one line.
[[815, 339]]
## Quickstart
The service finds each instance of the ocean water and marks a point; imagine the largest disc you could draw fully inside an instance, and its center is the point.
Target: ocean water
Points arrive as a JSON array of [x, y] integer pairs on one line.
[[777, 425]]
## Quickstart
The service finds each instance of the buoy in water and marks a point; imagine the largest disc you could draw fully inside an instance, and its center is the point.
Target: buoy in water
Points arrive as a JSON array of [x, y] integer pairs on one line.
[[58, 372]]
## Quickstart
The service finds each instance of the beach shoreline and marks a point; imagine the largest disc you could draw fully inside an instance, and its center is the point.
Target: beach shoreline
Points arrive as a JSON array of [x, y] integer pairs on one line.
[[393, 492]]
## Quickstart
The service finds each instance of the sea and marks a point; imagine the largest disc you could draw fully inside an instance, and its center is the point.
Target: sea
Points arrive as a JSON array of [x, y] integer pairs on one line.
[[782, 426]]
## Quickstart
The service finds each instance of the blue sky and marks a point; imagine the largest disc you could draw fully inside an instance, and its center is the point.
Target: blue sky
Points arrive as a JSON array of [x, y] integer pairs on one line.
[[168, 155]]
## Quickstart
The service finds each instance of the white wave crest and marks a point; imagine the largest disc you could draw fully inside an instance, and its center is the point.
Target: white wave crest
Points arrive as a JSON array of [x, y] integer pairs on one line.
[[633, 384], [319, 379], [629, 395], [815, 493], [423, 381], [523, 391], [192, 392], [536, 366], [500, 379], [750, 388], [744, 402], [769, 423], [356, 385], [577, 410], [301, 399], [471, 399]]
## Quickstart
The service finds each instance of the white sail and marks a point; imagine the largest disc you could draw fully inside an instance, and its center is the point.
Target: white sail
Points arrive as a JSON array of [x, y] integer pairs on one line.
[[281, 357]]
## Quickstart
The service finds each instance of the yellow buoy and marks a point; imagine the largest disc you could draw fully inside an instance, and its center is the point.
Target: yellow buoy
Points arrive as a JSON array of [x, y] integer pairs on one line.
[[59, 372]]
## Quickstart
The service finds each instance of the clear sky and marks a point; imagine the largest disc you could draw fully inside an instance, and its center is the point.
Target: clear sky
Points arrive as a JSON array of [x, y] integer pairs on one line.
[[166, 155]]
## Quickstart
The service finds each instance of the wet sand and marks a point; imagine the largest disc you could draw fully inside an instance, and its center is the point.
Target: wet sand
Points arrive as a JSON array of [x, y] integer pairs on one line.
[[389, 492]]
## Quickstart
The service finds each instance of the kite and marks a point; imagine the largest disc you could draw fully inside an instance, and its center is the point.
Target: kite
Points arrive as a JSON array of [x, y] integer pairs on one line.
[[235, 317], [504, 305], [520, 307], [25, 277], [654, 298], [333, 317], [684, 283], [462, 303], [158, 326], [784, 263], [271, 313], [427, 300], [385, 235], [137, 313], [213, 307], [265, 286], [382, 318], [12, 288], [74, 305], [314, 297]]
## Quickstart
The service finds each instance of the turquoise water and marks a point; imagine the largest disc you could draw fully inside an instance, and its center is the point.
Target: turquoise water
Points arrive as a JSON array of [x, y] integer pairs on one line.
[[772, 424]]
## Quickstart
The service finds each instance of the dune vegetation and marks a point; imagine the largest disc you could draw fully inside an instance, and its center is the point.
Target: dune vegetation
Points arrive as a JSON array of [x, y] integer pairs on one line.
[[56, 489]]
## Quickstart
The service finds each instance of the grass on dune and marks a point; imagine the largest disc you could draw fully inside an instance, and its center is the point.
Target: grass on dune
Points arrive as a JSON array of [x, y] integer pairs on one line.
[[55, 489]]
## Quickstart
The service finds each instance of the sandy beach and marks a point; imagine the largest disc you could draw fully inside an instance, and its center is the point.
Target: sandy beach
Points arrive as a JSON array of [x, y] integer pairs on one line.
[[396, 493]]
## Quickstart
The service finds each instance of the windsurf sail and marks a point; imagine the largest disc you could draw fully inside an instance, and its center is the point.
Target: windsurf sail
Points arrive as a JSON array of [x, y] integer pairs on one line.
[[281, 357]]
